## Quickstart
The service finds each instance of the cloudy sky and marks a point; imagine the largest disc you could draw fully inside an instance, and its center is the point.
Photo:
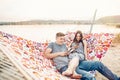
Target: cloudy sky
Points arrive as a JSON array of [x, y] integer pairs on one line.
[[16, 10]]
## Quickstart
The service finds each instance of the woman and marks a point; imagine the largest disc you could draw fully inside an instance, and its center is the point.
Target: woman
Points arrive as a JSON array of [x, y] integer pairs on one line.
[[77, 52]]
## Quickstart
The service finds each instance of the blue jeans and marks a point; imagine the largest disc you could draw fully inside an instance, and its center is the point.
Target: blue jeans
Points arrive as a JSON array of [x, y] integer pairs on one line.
[[96, 65], [85, 75]]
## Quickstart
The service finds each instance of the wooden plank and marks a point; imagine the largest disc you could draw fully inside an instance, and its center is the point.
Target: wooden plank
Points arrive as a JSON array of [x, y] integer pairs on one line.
[[5, 51], [11, 74], [2, 78], [8, 63], [5, 65], [13, 71], [8, 70], [6, 77], [12, 68]]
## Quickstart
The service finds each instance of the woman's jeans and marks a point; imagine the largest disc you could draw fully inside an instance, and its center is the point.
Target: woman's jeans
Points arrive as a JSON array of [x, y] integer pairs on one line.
[[96, 65], [85, 66]]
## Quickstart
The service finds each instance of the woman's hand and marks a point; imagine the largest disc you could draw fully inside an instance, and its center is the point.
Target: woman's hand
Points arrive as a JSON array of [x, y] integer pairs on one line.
[[75, 47]]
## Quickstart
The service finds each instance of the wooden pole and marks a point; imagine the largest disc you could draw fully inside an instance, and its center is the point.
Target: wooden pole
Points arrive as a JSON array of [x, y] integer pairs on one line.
[[93, 21]]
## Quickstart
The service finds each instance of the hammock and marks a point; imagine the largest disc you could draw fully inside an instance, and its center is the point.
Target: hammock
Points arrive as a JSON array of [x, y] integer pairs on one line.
[[29, 54]]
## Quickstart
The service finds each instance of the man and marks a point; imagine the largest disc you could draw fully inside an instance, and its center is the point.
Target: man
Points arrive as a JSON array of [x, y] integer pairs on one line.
[[58, 52]]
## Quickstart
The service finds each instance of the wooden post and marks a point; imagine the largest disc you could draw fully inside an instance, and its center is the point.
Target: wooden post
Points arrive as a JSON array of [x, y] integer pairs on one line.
[[93, 21]]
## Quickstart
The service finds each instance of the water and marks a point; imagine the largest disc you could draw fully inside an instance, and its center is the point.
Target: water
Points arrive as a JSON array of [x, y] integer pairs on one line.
[[42, 33]]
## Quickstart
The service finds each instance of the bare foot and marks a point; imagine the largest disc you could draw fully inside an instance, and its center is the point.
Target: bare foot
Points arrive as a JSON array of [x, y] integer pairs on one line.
[[67, 73], [76, 76]]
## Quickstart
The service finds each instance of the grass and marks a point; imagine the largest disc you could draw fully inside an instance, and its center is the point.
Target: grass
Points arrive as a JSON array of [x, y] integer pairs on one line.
[[118, 26], [117, 38]]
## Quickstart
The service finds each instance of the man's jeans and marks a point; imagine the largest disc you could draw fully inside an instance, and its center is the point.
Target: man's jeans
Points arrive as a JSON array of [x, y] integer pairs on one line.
[[96, 65], [85, 75]]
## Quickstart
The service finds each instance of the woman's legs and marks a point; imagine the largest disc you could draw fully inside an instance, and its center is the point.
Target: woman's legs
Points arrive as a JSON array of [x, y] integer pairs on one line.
[[96, 65], [72, 67], [85, 75]]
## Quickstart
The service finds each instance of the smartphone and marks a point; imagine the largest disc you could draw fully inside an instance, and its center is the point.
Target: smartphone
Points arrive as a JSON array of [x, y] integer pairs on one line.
[[70, 50]]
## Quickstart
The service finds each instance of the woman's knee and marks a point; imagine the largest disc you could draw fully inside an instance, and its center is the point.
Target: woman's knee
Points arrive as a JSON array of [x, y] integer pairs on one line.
[[97, 62], [98, 65]]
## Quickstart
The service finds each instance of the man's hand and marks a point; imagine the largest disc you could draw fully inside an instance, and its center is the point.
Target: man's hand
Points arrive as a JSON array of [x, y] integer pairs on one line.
[[63, 53]]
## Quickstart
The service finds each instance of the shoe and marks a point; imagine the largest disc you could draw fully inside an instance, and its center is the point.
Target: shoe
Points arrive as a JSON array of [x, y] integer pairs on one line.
[[119, 78], [76, 76]]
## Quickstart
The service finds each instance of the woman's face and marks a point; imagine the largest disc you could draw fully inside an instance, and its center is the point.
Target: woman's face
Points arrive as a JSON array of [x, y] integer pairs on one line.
[[78, 37]]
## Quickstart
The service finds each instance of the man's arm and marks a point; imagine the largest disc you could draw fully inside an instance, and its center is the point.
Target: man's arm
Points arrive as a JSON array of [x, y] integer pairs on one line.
[[49, 55]]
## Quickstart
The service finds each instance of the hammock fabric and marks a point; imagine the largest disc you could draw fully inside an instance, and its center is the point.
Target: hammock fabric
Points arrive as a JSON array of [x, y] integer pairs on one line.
[[97, 44], [29, 54]]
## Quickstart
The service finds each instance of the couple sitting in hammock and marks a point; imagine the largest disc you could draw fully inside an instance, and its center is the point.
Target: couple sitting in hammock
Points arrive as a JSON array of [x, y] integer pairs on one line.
[[72, 62]]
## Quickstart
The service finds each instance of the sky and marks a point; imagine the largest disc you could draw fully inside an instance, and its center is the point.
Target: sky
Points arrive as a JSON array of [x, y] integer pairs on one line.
[[17, 10]]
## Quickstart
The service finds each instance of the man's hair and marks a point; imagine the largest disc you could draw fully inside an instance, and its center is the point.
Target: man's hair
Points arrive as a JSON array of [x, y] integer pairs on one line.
[[60, 34]]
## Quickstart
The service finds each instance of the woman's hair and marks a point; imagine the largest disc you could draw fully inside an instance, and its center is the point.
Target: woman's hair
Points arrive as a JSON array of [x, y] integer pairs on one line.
[[81, 35]]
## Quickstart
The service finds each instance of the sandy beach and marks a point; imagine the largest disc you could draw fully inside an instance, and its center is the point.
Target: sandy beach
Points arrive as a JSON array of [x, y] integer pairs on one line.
[[111, 60]]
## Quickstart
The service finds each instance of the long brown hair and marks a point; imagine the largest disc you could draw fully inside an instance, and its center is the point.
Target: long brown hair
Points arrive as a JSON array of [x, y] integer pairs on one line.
[[81, 35]]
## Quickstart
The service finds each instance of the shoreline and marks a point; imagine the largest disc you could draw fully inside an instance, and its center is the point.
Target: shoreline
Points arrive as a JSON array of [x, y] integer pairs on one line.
[[40, 33]]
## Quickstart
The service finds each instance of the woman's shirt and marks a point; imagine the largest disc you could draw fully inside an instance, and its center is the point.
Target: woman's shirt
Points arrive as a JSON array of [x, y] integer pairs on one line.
[[80, 48]]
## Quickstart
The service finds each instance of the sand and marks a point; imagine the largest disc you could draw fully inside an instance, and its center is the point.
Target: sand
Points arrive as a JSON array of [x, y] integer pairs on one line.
[[111, 60]]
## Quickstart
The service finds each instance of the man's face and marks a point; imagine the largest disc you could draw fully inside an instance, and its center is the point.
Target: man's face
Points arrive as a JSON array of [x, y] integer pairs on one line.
[[60, 40]]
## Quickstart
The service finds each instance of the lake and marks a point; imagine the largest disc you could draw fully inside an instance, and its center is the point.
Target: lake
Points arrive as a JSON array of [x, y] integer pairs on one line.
[[42, 33]]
